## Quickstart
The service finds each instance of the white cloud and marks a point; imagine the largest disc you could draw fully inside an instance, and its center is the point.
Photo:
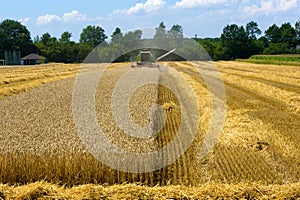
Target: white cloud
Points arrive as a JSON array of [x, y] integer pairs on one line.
[[75, 15], [286, 5], [270, 7], [196, 3], [153, 5], [46, 19], [69, 17], [24, 20], [135, 9], [148, 6]]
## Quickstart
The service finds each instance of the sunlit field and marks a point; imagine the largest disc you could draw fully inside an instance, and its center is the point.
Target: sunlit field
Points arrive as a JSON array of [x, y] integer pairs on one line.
[[257, 155]]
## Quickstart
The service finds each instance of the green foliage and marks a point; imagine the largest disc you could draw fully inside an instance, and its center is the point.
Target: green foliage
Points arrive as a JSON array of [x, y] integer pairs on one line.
[[252, 30], [15, 36], [214, 48], [49, 47], [68, 48], [297, 29], [117, 35], [277, 48], [67, 51], [282, 39], [176, 32], [235, 40], [273, 34], [160, 31], [62, 50], [65, 37], [119, 50], [239, 43], [288, 35], [93, 35], [284, 59], [83, 50]]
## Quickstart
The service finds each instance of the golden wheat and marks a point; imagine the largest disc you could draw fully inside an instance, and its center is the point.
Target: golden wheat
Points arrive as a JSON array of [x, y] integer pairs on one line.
[[259, 142], [43, 190]]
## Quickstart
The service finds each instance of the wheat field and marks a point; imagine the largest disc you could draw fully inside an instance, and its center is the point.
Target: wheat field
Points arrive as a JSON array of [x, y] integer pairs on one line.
[[256, 156]]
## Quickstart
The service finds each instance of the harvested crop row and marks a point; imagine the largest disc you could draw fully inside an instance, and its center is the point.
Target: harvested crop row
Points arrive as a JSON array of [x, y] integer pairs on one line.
[[252, 134], [273, 70], [14, 80], [42, 138], [39, 134], [43, 190], [281, 88]]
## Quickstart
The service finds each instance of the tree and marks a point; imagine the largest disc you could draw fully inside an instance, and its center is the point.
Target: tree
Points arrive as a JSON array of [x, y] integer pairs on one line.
[[175, 37], [254, 46], [15, 36], [65, 37], [214, 48], [252, 30], [83, 50], [160, 31], [235, 41], [45, 39], [297, 29], [288, 35], [264, 41], [273, 34], [68, 48], [116, 36], [277, 48], [93, 35], [176, 32], [131, 39], [49, 47], [120, 50]]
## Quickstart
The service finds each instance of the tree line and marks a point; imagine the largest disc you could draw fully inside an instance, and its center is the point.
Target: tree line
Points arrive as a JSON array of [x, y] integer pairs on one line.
[[242, 42], [235, 42]]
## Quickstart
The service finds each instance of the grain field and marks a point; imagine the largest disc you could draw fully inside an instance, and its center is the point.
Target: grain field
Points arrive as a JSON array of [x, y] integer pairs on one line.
[[258, 149]]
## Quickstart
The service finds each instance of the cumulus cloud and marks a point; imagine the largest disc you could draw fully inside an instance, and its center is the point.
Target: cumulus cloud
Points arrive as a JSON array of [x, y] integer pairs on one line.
[[75, 15], [138, 7], [46, 19], [196, 3], [270, 7], [148, 6], [284, 5], [69, 17], [24, 20]]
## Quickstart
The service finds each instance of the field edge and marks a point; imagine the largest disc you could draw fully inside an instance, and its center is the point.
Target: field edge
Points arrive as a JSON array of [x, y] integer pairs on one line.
[[45, 190]]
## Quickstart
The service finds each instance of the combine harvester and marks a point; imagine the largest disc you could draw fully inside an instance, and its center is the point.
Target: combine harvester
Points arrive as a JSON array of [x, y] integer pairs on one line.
[[147, 59]]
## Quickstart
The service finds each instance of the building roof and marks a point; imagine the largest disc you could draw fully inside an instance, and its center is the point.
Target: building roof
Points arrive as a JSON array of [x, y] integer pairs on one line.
[[33, 56]]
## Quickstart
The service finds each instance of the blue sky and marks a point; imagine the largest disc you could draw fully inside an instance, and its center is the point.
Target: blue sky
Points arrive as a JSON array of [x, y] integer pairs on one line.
[[206, 18]]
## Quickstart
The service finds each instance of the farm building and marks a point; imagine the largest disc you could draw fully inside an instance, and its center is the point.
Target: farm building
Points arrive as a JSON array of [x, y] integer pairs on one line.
[[32, 59]]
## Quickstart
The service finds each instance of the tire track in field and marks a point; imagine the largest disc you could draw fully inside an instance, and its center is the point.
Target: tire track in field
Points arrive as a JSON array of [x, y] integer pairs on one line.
[[180, 172], [229, 169], [239, 96], [279, 117], [287, 123], [41, 118], [280, 85], [276, 113], [276, 70]]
